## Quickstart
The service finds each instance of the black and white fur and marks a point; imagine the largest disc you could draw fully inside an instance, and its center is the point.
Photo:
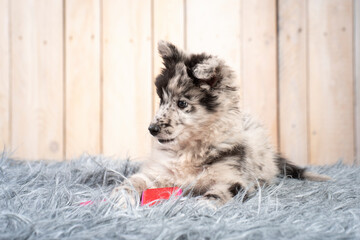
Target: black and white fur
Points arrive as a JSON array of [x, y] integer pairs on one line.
[[204, 140]]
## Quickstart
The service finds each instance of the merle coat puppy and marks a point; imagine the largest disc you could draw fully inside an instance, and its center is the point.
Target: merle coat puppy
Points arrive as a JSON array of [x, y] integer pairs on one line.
[[204, 140]]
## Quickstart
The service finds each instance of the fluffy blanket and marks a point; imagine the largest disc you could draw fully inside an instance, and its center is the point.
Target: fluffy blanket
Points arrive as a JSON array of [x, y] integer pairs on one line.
[[41, 200]]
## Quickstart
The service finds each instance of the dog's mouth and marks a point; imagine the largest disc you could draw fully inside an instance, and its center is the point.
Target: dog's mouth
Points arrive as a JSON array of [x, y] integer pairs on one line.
[[164, 141]]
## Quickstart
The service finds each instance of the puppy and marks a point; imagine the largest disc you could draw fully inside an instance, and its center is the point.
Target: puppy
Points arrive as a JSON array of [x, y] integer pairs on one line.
[[204, 140]]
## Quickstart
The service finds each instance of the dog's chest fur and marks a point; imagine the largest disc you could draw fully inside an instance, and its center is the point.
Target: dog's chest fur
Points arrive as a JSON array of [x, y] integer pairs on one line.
[[176, 169]]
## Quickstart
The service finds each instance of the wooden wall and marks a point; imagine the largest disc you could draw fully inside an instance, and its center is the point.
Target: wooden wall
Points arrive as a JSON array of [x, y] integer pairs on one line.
[[77, 75]]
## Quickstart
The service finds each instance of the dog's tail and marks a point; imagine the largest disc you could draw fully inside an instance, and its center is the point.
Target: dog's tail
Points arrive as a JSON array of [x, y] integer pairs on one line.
[[288, 169]]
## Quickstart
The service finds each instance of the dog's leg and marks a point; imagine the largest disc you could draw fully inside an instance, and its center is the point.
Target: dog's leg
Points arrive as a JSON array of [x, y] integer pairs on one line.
[[129, 192], [220, 194], [217, 195]]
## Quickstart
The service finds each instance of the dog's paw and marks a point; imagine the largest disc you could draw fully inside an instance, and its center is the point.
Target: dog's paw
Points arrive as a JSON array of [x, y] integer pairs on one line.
[[124, 197], [210, 203]]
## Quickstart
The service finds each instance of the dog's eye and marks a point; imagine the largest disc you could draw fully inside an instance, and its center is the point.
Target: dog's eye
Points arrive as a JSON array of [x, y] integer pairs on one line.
[[182, 104]]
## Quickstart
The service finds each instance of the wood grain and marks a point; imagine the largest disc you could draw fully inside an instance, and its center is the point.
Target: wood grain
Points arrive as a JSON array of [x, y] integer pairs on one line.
[[37, 79], [82, 77], [215, 27], [293, 80], [4, 76], [168, 25], [127, 77], [357, 78], [331, 83], [260, 62]]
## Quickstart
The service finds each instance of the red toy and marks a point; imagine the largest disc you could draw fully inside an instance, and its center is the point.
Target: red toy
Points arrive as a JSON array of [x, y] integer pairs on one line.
[[153, 194]]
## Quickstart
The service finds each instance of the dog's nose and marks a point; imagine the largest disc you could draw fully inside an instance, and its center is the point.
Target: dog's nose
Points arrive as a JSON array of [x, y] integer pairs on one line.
[[154, 129]]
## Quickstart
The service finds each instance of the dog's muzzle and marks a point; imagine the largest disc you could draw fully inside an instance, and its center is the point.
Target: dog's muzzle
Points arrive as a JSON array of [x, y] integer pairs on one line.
[[154, 129]]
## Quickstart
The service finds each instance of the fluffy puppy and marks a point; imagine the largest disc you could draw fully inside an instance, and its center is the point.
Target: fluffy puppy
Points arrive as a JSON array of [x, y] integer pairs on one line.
[[204, 140]]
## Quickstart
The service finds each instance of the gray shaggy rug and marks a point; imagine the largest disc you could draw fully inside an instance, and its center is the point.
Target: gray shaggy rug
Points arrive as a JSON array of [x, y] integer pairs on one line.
[[41, 200]]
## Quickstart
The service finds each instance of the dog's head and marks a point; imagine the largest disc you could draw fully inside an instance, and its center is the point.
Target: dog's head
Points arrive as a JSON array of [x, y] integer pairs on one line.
[[195, 91]]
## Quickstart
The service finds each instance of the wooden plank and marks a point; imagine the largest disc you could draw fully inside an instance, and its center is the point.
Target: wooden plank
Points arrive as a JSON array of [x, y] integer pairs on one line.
[[82, 77], [331, 88], [215, 27], [127, 77], [37, 78], [169, 25], [4, 76], [292, 80], [357, 78], [260, 62]]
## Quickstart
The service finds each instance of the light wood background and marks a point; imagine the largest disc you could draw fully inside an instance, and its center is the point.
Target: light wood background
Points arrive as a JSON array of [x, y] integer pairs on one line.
[[77, 75]]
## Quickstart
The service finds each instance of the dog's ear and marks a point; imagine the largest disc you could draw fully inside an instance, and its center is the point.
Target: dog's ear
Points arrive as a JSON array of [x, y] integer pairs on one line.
[[169, 53], [208, 71]]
